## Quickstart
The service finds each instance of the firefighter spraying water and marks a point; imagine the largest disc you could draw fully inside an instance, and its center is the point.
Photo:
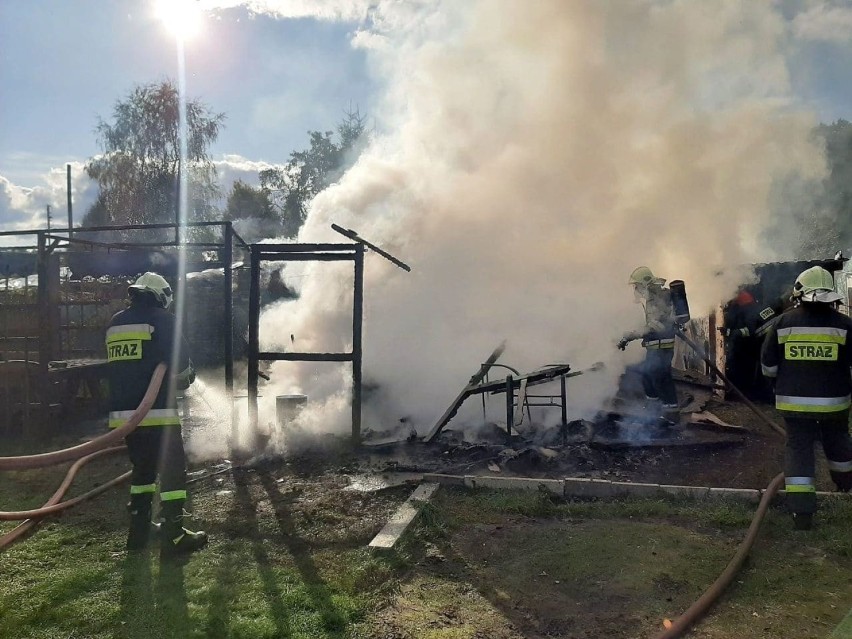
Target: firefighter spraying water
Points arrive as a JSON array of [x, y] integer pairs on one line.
[[658, 337], [138, 339]]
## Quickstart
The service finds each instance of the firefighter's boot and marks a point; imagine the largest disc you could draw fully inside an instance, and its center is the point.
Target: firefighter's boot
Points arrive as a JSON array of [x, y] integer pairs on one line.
[[670, 415], [140, 522], [803, 521], [175, 539]]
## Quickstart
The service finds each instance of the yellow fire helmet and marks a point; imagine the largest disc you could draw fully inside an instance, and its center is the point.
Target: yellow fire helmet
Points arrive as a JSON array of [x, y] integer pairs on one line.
[[644, 277]]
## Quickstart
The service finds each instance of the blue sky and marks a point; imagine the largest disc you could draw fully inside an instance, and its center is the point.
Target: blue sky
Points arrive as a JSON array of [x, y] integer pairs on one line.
[[64, 64]]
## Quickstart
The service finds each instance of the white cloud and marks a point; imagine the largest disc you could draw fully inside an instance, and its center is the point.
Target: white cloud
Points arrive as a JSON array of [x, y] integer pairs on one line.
[[348, 10], [826, 22], [24, 207], [233, 167]]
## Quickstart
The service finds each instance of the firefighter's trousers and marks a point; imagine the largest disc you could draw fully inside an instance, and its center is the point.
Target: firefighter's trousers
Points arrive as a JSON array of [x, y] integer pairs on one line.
[[156, 452], [800, 466], [657, 376]]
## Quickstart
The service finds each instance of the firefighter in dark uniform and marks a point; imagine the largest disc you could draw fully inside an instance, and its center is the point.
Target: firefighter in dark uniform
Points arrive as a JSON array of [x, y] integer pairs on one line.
[[137, 340], [806, 351], [658, 338], [744, 330]]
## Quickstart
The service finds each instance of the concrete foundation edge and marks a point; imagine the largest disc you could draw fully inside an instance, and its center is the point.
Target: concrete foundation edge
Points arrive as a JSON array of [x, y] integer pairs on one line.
[[603, 488]]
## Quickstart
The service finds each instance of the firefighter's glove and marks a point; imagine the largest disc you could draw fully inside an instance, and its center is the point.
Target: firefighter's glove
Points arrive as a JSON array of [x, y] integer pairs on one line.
[[622, 343]]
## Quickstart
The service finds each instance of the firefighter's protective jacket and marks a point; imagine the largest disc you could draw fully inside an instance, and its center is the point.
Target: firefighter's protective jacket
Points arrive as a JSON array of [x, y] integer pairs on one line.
[[806, 351], [659, 330], [137, 340]]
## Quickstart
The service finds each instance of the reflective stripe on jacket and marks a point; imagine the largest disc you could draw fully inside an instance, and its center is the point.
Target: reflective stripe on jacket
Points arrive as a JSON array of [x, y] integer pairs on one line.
[[155, 417], [659, 343], [806, 351], [137, 340]]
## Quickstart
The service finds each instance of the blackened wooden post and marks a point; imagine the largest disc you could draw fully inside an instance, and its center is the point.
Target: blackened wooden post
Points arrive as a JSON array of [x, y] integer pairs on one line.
[[357, 325], [562, 386], [227, 256], [253, 337], [510, 404], [68, 193]]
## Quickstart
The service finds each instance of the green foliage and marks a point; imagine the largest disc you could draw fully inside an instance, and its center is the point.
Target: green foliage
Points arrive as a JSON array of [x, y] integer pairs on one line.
[[815, 215], [292, 187], [140, 168], [246, 202]]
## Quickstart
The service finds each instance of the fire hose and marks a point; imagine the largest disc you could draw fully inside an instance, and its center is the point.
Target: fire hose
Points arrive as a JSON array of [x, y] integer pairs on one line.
[[54, 502], [701, 605], [83, 453], [26, 462]]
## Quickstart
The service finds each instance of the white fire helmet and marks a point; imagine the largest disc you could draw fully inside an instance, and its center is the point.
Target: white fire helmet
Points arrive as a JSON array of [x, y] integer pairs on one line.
[[156, 285], [816, 285]]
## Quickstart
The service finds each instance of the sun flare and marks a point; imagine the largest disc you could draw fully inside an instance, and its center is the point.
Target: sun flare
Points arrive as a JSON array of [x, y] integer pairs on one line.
[[181, 17]]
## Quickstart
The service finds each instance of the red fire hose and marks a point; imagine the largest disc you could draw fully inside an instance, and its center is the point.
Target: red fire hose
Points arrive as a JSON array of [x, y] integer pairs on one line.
[[83, 453], [53, 505], [67, 454], [54, 502], [698, 609]]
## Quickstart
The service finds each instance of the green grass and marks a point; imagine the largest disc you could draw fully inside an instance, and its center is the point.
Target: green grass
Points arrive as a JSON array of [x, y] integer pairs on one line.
[[276, 567], [634, 562], [288, 558]]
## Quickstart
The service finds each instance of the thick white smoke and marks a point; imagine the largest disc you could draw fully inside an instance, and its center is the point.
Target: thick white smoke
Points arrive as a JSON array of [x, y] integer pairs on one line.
[[529, 155]]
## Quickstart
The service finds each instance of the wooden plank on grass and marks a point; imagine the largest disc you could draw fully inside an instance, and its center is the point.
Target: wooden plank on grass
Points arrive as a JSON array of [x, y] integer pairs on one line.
[[403, 517]]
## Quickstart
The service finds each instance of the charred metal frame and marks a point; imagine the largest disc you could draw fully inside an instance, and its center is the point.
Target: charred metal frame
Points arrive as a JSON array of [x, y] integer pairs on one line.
[[515, 387], [47, 241], [306, 253]]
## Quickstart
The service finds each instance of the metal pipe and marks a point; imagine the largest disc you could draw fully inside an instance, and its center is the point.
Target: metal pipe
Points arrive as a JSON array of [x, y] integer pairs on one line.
[[352, 235], [68, 193], [228, 311]]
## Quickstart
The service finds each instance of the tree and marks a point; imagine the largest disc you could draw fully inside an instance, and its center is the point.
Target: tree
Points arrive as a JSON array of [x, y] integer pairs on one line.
[[139, 170], [308, 172], [252, 207], [838, 185], [813, 218]]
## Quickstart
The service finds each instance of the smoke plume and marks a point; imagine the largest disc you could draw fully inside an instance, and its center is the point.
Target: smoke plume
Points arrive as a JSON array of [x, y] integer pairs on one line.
[[528, 156]]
